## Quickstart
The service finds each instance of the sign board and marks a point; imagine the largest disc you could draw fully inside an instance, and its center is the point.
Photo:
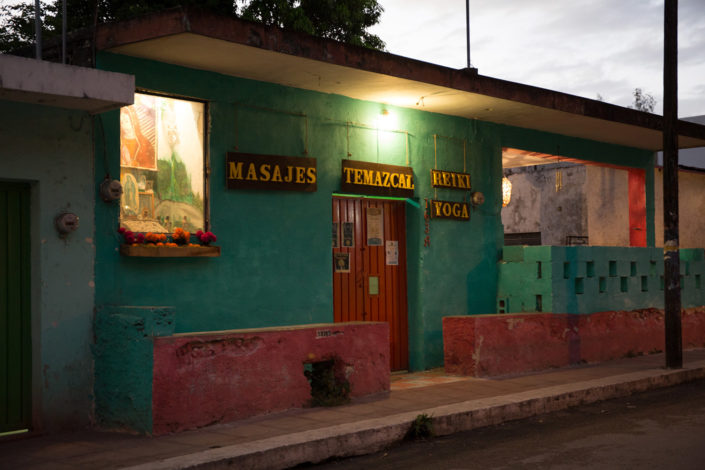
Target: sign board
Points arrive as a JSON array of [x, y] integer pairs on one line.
[[251, 171], [377, 179], [450, 210], [450, 180]]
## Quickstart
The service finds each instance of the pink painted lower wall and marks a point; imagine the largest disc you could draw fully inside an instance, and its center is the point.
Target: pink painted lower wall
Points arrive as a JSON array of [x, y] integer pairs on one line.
[[206, 378], [491, 345]]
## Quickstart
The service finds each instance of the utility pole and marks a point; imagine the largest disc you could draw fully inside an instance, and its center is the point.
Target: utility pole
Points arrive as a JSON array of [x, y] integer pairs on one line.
[[672, 283], [63, 32], [38, 28], [467, 28]]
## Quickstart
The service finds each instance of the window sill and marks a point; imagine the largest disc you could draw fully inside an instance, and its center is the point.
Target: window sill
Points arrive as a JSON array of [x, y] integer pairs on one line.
[[142, 251]]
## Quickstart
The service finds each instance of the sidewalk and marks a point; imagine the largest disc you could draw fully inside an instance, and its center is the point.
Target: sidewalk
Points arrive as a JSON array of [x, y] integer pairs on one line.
[[314, 434]]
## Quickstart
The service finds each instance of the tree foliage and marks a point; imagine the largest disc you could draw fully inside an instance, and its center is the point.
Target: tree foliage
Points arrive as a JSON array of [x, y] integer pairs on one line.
[[342, 20], [643, 101]]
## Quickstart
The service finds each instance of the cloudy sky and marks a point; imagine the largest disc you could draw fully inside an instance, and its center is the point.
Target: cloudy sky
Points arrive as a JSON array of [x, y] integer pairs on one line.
[[582, 47]]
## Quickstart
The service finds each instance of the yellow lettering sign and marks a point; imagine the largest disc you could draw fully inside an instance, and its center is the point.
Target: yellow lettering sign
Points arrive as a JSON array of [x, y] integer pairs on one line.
[[449, 210], [251, 173], [450, 179], [277, 175], [264, 172], [235, 171], [311, 175], [348, 172]]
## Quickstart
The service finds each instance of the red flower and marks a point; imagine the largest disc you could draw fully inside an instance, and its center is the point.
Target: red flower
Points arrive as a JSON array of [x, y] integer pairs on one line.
[[205, 238]]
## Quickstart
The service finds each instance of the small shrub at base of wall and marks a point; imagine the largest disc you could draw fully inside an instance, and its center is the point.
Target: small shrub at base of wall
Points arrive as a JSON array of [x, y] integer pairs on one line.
[[421, 427], [328, 388]]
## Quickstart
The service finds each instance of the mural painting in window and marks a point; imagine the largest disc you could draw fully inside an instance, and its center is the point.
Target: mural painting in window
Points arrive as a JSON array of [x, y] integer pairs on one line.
[[161, 164]]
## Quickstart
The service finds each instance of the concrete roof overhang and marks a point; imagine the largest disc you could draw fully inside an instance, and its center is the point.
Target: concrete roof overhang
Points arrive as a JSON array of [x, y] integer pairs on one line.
[[243, 49], [63, 86]]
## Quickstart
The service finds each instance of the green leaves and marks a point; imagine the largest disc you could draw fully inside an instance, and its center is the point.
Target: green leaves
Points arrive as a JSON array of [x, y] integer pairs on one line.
[[342, 20]]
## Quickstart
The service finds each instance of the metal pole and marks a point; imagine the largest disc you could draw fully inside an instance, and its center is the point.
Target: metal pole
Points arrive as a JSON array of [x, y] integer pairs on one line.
[[467, 28], [672, 284], [63, 32], [38, 28]]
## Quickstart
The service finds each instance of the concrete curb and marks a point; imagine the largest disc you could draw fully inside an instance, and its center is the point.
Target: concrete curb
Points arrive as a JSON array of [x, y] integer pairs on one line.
[[371, 435]]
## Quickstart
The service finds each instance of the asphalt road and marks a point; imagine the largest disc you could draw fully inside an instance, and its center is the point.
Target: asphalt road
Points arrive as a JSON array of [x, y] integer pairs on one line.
[[661, 429]]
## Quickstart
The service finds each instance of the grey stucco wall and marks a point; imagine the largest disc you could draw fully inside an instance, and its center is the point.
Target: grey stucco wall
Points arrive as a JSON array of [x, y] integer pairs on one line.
[[691, 208], [561, 200], [51, 149], [607, 194], [548, 199]]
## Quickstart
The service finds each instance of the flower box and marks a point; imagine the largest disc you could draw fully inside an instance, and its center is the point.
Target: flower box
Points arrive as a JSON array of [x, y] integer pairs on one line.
[[145, 251]]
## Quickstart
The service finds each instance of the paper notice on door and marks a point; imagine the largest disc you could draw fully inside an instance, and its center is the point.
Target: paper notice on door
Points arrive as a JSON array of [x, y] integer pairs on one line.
[[392, 252], [375, 227], [341, 262], [335, 234], [348, 234]]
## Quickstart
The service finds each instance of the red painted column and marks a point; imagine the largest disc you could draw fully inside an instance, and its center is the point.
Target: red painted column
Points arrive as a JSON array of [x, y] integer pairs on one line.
[[637, 207]]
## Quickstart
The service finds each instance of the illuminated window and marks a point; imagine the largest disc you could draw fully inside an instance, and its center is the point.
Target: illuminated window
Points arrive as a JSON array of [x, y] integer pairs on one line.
[[161, 164]]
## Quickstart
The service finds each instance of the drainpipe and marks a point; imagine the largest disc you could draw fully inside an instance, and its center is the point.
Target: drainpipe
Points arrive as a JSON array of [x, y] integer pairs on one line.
[[38, 28], [672, 283]]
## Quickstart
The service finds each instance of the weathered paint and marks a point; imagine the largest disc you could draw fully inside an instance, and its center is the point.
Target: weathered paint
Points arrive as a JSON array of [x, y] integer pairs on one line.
[[269, 239], [491, 345], [603, 203], [588, 279], [593, 152], [124, 355], [607, 198], [205, 378], [52, 149], [691, 207], [550, 199], [637, 208], [64, 86]]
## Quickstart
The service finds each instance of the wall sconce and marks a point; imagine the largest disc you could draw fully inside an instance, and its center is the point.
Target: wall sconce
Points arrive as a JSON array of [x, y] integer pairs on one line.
[[477, 198], [386, 121], [506, 191]]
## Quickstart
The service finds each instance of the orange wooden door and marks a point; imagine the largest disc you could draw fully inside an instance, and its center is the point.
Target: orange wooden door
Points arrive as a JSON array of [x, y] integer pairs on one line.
[[369, 268]]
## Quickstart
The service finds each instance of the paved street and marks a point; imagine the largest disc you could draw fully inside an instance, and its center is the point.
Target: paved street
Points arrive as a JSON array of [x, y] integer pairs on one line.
[[661, 429]]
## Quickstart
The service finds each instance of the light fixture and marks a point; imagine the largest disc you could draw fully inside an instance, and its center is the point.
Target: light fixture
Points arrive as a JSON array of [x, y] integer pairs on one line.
[[477, 198], [506, 191], [386, 121]]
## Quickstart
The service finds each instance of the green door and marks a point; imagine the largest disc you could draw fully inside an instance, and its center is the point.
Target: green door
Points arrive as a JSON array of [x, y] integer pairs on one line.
[[15, 336]]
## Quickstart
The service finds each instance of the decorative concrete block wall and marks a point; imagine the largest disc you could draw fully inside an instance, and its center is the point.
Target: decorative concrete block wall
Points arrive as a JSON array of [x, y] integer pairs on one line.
[[588, 279]]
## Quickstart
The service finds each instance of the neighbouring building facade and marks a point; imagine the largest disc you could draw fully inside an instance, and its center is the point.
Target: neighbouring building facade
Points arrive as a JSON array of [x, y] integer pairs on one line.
[[342, 184], [47, 278]]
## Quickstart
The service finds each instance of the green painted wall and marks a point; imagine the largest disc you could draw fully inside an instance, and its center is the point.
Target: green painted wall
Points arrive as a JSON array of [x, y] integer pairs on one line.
[[276, 263], [124, 364], [589, 279], [52, 150]]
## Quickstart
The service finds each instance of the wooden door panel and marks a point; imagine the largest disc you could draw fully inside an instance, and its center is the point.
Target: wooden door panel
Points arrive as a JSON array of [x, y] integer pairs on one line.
[[15, 354], [352, 299]]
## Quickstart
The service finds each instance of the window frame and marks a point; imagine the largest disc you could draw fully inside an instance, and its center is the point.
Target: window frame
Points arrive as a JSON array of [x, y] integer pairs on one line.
[[206, 146]]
